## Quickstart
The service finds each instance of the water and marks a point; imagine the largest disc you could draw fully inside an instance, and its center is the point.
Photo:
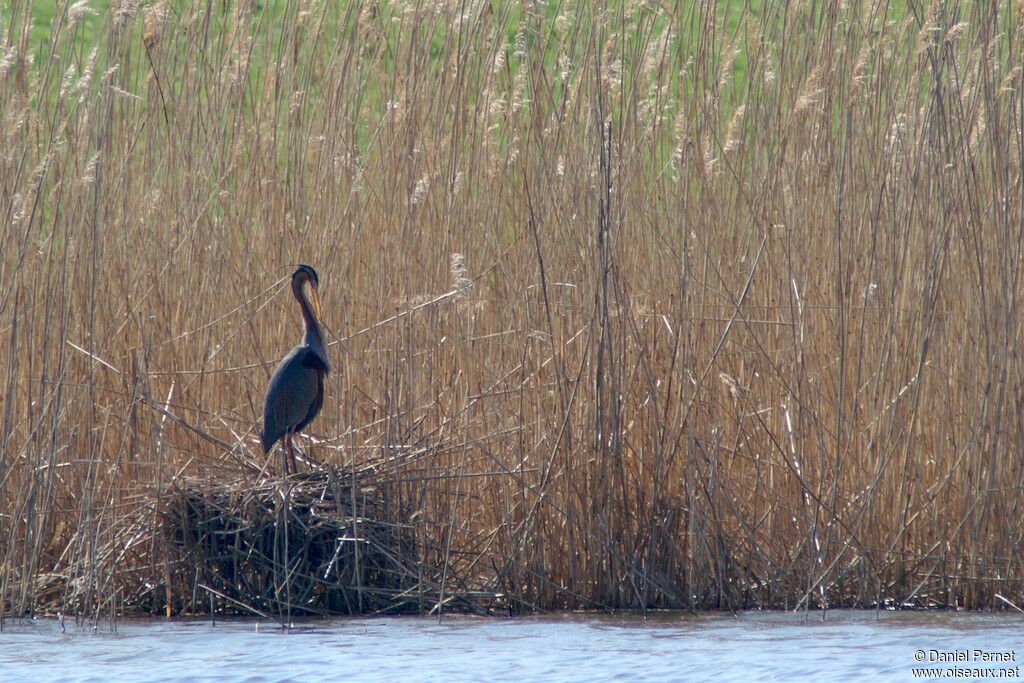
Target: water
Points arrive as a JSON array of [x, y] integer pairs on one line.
[[665, 647]]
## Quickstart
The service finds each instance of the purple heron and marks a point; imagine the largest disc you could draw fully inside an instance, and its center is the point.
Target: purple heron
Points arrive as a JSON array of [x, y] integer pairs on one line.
[[296, 390]]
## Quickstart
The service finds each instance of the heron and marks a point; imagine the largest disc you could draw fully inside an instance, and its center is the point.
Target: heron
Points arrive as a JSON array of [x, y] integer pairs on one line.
[[296, 390]]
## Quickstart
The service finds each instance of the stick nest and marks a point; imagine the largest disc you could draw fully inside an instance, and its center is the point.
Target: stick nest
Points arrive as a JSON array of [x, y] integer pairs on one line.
[[325, 542]]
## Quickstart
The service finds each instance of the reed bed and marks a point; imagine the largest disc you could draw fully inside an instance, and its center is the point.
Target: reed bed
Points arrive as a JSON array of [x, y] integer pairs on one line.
[[631, 304]]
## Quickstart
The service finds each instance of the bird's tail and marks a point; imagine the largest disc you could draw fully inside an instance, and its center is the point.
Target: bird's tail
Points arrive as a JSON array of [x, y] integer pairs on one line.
[[266, 441]]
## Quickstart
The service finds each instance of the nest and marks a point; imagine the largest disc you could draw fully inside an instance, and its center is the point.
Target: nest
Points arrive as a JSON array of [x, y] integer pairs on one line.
[[318, 543]]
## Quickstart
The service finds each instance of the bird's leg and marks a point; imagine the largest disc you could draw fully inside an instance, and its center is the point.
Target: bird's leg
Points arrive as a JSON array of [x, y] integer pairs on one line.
[[291, 452], [286, 451]]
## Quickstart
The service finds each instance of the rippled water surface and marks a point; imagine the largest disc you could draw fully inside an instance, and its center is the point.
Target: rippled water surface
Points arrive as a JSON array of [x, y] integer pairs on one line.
[[662, 647]]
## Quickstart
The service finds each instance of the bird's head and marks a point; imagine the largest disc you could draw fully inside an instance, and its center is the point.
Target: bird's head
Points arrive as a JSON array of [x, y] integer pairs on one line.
[[304, 280]]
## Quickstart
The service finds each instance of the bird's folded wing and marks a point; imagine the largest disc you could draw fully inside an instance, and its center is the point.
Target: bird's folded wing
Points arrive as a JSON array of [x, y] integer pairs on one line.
[[293, 388]]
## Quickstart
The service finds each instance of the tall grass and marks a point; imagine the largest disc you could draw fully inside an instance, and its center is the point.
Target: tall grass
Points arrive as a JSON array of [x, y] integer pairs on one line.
[[688, 304]]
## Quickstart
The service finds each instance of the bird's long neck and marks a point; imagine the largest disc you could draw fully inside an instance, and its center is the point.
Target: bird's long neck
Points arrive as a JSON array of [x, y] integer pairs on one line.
[[313, 336]]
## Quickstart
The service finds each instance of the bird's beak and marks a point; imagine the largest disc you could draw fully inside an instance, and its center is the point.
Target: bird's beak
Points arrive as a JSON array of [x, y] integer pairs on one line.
[[314, 295]]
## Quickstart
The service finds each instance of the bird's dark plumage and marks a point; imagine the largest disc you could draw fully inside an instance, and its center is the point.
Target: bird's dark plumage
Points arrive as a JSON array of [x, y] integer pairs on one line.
[[296, 390]]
